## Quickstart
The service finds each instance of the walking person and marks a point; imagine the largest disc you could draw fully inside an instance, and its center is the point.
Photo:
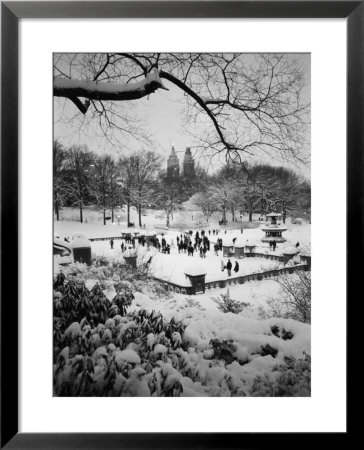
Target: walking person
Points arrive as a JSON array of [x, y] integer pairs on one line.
[[236, 268], [204, 249], [229, 267], [112, 244]]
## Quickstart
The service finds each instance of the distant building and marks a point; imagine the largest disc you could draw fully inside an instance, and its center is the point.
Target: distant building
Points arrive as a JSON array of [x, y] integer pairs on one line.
[[188, 165], [173, 165], [173, 169]]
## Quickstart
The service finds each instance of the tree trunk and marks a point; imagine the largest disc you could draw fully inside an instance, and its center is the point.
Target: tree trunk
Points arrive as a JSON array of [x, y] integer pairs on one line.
[[224, 213], [167, 220], [140, 214], [81, 212], [112, 212], [104, 216], [56, 209], [250, 216], [128, 213], [233, 213]]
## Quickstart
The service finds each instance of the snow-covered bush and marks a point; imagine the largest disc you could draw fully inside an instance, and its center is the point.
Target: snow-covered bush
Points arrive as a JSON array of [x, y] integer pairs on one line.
[[293, 379], [226, 304], [223, 350], [143, 354], [192, 303], [294, 301], [114, 357], [102, 349], [73, 302], [104, 269]]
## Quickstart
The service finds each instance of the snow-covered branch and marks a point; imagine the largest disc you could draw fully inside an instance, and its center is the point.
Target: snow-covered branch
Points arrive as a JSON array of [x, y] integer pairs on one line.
[[95, 90]]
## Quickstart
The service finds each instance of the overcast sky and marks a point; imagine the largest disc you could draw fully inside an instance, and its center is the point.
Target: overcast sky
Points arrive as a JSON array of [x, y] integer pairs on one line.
[[162, 114]]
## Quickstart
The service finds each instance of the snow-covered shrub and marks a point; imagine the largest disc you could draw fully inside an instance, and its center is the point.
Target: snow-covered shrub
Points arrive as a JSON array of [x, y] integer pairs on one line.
[[192, 303], [74, 302], [268, 350], [133, 355], [295, 298], [157, 290], [226, 304], [284, 334], [223, 350], [293, 379]]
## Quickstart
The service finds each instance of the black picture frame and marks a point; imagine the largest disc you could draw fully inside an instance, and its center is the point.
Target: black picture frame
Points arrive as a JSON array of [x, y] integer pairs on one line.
[[11, 12]]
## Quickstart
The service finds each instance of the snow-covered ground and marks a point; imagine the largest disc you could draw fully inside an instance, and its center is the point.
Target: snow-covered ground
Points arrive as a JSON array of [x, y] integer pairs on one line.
[[202, 374], [182, 306], [172, 267]]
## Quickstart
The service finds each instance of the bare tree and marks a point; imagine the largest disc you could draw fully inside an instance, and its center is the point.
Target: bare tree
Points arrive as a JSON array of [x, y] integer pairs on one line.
[[285, 190], [126, 172], [146, 166], [78, 163], [103, 184], [168, 196], [61, 187], [241, 104], [295, 298], [205, 203], [222, 194]]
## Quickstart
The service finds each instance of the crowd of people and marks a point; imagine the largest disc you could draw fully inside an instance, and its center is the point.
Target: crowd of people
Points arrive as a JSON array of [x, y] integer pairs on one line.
[[190, 242], [200, 243]]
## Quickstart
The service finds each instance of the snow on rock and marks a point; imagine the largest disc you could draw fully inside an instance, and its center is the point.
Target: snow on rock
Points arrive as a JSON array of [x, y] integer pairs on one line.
[[227, 242], [79, 240], [194, 269]]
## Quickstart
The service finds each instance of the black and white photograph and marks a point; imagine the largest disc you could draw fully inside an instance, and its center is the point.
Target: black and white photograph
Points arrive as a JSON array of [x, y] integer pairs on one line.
[[181, 224]]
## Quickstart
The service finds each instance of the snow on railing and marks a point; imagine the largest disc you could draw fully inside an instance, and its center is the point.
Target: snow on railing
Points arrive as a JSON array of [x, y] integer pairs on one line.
[[235, 280]]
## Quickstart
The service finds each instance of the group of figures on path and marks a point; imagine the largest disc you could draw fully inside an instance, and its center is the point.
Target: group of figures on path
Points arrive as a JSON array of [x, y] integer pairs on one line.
[[229, 266], [201, 243]]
